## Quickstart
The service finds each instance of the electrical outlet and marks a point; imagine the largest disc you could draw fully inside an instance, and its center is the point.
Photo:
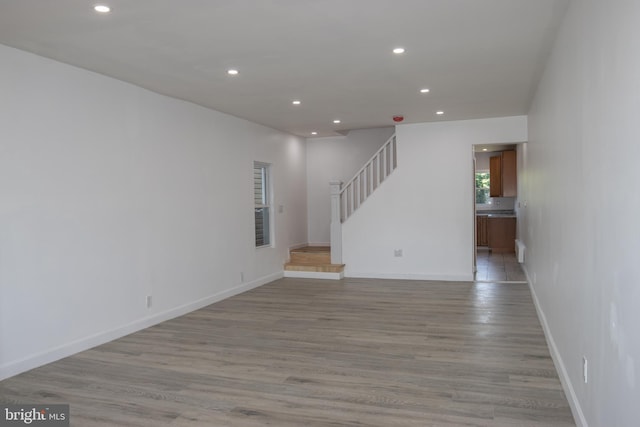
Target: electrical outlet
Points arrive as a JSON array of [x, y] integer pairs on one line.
[[397, 252], [241, 277], [585, 369], [149, 301]]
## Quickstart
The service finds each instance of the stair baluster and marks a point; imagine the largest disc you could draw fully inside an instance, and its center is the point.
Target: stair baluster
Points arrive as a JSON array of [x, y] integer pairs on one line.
[[368, 178]]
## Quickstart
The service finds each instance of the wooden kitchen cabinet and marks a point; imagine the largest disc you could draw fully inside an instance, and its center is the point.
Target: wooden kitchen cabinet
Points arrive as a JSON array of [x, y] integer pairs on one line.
[[503, 175], [495, 176], [481, 231], [509, 174], [501, 233]]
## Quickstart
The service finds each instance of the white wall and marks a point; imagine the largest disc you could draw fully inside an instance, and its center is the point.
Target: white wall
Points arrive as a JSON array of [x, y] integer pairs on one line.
[[335, 158], [581, 223], [425, 207], [109, 193]]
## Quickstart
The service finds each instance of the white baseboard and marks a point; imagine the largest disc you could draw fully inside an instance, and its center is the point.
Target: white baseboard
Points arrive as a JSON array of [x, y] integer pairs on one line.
[[320, 244], [303, 245], [298, 246], [569, 391], [30, 362], [409, 276], [314, 275]]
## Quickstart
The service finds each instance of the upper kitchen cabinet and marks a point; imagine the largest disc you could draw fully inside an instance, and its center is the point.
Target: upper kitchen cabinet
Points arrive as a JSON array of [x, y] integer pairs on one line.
[[502, 170]]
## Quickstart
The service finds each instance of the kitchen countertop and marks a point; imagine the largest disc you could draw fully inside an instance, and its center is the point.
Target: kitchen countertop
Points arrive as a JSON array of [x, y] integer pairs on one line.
[[497, 214]]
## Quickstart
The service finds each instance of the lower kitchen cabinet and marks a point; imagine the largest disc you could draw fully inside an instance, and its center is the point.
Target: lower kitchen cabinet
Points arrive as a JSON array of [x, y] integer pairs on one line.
[[501, 233], [481, 230]]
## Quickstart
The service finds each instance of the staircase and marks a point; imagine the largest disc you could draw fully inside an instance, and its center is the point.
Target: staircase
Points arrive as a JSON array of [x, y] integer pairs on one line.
[[313, 262], [324, 262], [354, 193]]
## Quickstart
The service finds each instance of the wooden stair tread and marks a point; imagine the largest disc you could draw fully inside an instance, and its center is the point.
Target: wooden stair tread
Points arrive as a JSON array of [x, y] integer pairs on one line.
[[315, 263], [312, 259], [311, 255], [331, 268], [312, 249]]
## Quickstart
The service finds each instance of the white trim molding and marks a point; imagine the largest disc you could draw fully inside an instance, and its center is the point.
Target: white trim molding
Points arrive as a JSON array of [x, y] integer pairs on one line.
[[314, 275], [410, 276], [567, 386]]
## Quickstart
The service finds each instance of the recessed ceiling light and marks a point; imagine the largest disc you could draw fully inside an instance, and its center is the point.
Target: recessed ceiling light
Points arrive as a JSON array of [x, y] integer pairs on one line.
[[398, 50], [296, 102], [439, 113], [314, 133], [232, 72], [336, 121], [484, 149], [425, 90], [102, 8]]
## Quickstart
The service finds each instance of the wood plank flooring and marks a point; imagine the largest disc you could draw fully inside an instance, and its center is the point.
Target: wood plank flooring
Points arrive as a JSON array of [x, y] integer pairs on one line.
[[302, 352]]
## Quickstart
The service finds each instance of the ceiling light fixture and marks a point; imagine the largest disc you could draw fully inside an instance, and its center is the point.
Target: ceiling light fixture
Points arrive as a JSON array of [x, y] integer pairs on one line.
[[232, 72], [425, 90], [484, 149], [314, 133], [296, 102], [398, 50], [336, 121], [439, 113], [101, 8]]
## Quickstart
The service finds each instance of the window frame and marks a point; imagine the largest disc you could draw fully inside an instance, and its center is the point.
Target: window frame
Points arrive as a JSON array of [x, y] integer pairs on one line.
[[489, 199], [265, 204]]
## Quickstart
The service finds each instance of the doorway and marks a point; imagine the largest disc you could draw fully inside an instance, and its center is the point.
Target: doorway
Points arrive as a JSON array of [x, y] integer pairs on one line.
[[495, 198]]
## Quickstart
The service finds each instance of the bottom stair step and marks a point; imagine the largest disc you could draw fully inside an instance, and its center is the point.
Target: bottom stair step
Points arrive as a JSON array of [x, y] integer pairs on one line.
[[323, 268], [313, 262]]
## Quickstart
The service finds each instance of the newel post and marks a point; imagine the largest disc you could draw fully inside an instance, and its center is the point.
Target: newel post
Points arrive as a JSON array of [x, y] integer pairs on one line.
[[336, 224]]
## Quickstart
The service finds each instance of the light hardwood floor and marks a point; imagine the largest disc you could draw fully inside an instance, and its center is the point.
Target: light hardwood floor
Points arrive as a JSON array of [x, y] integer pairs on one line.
[[302, 352]]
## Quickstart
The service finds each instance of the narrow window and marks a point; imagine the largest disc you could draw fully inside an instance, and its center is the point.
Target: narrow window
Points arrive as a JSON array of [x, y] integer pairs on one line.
[[262, 198], [482, 188]]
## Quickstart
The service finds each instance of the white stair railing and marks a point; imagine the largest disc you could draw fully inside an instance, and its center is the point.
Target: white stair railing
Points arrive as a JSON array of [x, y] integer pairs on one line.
[[368, 179], [346, 200]]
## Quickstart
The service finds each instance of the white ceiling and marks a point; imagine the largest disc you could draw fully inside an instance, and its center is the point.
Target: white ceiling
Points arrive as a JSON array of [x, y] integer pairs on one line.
[[480, 58]]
